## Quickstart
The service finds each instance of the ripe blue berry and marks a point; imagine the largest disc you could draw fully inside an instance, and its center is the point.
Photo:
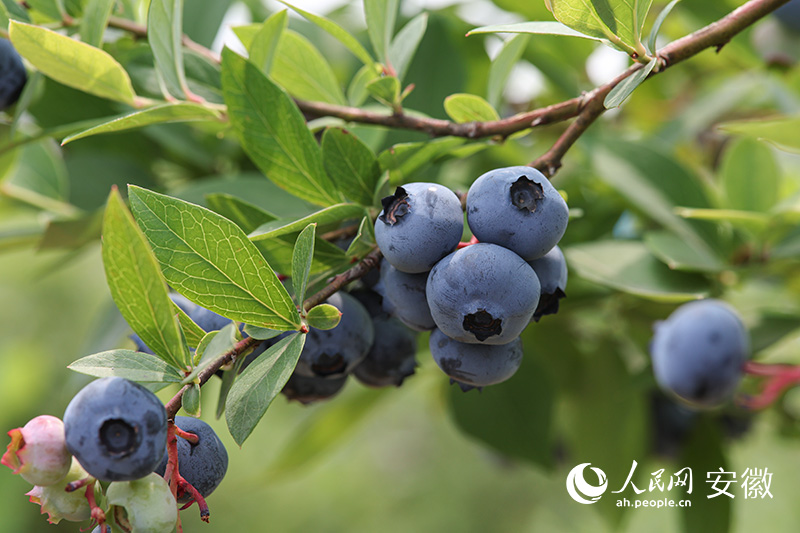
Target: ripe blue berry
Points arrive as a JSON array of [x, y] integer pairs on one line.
[[309, 390], [116, 428], [12, 75], [789, 15], [698, 352], [517, 208], [203, 464], [333, 353], [551, 269], [391, 359], [420, 223], [404, 296], [474, 364], [483, 293]]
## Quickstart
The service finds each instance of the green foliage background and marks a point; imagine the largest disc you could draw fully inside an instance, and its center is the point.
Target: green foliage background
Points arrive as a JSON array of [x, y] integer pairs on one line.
[[426, 457]]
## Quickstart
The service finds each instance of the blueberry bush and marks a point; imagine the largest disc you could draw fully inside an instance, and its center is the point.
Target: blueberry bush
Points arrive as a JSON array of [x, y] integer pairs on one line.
[[304, 266]]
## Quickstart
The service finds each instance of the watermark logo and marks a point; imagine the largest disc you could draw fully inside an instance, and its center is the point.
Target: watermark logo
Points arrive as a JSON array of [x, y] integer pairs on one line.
[[580, 490]]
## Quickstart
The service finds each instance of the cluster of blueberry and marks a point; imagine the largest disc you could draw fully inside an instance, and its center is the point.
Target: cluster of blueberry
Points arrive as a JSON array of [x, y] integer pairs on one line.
[[477, 298], [115, 431]]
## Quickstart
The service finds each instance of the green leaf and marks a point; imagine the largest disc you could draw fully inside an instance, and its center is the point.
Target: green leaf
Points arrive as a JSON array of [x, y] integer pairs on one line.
[[704, 453], [747, 220], [265, 42], [214, 345], [303, 71], [779, 131], [463, 107], [260, 333], [502, 65], [654, 183], [351, 164], [165, 33], [228, 378], [381, 15], [137, 286], [629, 267], [160, 114], [277, 251], [94, 20], [72, 62], [328, 215], [191, 400], [651, 39], [364, 241], [259, 384], [357, 92], [750, 176], [135, 366], [191, 331], [405, 44], [386, 90], [15, 11], [535, 28], [677, 255], [337, 32], [72, 233], [301, 262], [209, 259], [323, 316], [273, 132], [40, 179], [404, 161], [618, 94], [52, 9], [619, 21]]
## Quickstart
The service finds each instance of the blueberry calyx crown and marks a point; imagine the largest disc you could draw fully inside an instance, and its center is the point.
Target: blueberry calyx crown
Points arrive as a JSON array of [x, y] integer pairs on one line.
[[482, 324], [526, 194], [119, 437], [395, 206]]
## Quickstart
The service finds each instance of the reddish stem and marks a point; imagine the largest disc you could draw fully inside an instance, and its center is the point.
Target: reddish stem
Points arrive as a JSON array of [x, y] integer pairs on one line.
[[97, 513], [473, 240], [186, 487], [778, 378], [191, 437], [75, 485]]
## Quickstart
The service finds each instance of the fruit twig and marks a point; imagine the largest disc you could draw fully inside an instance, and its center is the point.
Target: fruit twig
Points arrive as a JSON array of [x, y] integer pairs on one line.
[[778, 379], [75, 485], [715, 35], [97, 513], [185, 435], [184, 487], [369, 262]]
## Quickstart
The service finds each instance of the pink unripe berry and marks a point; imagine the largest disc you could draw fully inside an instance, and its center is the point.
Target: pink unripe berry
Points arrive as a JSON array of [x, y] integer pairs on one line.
[[38, 451]]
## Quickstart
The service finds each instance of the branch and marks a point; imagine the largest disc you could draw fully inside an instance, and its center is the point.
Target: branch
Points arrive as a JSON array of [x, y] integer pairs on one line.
[[141, 31], [365, 265], [716, 35]]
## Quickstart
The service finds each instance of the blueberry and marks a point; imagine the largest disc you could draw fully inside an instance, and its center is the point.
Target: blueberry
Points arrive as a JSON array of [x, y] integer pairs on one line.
[[698, 352], [335, 352], [12, 75], [420, 223], [483, 293], [391, 359], [518, 208], [404, 296], [551, 269], [474, 364], [38, 451], [672, 423], [371, 300], [789, 15], [203, 464], [309, 390], [116, 428], [143, 504], [178, 299]]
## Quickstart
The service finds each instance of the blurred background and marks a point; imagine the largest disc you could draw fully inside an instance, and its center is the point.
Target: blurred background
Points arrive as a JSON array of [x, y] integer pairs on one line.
[[427, 457]]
